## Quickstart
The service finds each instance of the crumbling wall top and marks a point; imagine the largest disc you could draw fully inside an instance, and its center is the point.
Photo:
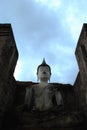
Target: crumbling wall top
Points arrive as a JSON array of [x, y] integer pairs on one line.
[[82, 37]]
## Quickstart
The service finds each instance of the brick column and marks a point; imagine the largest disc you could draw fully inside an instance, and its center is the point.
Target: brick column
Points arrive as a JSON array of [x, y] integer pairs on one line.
[[8, 59], [81, 55]]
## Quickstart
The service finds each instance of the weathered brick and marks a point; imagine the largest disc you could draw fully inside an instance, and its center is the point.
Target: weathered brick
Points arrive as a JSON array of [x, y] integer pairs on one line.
[[8, 59]]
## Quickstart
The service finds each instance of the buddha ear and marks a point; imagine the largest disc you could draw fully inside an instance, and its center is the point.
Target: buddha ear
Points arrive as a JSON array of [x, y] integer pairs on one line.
[[37, 77], [37, 73], [49, 78]]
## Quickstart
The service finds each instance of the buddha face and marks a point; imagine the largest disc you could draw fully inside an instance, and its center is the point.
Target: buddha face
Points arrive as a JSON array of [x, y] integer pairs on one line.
[[43, 73]]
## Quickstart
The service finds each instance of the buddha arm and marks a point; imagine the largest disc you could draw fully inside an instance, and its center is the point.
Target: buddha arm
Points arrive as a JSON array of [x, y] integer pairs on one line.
[[28, 96], [59, 99]]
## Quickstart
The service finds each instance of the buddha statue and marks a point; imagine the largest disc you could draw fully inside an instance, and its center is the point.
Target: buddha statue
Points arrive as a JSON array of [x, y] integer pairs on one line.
[[43, 105], [43, 96]]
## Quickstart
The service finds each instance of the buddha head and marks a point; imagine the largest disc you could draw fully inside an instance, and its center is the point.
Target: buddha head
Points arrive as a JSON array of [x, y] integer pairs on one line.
[[44, 72]]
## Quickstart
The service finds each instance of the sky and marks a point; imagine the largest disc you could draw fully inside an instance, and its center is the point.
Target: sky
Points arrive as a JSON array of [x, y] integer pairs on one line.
[[45, 29]]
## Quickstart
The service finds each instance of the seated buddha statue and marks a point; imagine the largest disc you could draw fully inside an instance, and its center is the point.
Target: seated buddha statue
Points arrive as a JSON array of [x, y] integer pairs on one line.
[[43, 105], [43, 96]]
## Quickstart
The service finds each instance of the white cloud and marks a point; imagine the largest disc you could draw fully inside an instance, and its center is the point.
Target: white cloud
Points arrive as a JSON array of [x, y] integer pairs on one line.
[[74, 20], [53, 4]]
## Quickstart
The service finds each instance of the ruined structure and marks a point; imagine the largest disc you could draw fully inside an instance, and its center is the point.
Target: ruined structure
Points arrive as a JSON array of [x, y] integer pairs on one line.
[[80, 85], [12, 92], [8, 59]]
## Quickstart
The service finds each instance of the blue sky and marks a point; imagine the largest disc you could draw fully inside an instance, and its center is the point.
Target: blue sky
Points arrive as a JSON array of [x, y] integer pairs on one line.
[[45, 29]]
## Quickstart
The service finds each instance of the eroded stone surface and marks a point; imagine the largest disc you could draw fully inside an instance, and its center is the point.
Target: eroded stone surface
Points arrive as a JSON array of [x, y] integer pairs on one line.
[[8, 59], [81, 82]]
